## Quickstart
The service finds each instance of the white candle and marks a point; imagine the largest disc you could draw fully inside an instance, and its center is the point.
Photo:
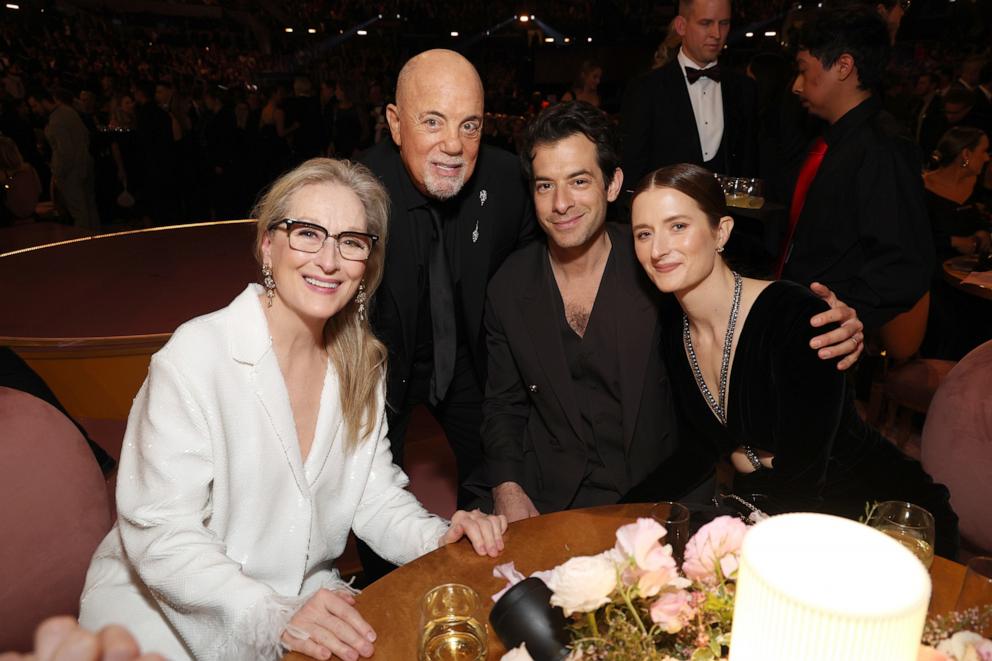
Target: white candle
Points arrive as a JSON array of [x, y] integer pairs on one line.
[[813, 587]]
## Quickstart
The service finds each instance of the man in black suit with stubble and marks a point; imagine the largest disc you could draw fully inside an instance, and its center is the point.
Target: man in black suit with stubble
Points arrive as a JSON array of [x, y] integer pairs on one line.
[[691, 110], [578, 410], [458, 208]]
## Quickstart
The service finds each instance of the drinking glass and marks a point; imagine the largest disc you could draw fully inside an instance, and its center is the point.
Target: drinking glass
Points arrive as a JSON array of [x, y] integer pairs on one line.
[[909, 524], [735, 192], [675, 518], [755, 198], [977, 587], [451, 625]]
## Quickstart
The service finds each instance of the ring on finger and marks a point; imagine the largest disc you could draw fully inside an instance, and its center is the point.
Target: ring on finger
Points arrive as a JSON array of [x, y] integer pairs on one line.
[[296, 632]]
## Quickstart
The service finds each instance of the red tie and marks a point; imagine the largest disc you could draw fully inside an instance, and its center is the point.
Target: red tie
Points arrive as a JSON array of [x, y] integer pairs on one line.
[[806, 176]]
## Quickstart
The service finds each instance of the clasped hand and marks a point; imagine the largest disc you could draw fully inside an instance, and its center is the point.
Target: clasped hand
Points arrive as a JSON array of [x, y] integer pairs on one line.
[[328, 623]]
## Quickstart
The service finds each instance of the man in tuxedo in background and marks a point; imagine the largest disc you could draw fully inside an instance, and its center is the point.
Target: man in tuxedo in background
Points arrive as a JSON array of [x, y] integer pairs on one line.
[[458, 208], [691, 110]]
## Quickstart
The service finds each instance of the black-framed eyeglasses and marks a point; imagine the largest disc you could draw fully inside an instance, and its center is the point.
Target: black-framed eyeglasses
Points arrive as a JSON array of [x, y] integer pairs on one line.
[[309, 237]]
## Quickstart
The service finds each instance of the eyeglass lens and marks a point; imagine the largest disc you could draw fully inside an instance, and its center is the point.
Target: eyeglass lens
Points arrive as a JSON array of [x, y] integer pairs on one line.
[[351, 245]]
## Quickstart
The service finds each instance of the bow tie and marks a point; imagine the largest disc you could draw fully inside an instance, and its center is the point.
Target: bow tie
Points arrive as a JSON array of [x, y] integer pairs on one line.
[[692, 75]]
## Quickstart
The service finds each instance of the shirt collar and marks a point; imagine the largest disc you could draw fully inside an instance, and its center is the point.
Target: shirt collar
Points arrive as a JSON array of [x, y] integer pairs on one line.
[[684, 62], [854, 117]]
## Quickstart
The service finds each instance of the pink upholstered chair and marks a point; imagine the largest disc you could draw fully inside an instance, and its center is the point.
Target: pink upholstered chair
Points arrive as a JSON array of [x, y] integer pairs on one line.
[[54, 511], [957, 444]]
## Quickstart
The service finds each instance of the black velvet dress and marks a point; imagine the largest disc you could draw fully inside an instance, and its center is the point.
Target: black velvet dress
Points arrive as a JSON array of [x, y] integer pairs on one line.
[[783, 399]]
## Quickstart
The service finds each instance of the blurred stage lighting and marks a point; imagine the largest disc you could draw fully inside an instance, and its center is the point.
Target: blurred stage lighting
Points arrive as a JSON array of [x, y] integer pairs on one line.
[[454, 33], [362, 33], [289, 30], [312, 30]]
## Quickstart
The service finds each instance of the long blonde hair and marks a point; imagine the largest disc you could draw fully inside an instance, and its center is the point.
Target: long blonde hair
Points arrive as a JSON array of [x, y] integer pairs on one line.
[[358, 357]]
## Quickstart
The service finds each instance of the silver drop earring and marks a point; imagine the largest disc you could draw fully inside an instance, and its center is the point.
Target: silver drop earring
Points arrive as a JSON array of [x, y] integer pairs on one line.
[[361, 298], [268, 283]]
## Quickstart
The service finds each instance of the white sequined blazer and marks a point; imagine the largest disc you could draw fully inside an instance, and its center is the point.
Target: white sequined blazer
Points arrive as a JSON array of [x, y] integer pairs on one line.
[[223, 530]]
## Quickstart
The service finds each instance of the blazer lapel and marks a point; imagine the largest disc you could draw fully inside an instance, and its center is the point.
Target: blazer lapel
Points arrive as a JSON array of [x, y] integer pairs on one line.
[[535, 306], [684, 116], [252, 346]]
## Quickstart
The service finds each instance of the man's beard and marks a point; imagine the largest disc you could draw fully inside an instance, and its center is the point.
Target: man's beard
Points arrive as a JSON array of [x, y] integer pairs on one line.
[[444, 188]]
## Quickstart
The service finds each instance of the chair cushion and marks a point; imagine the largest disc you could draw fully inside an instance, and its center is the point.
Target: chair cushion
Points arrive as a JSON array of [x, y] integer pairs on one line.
[[913, 384], [55, 512], [957, 443]]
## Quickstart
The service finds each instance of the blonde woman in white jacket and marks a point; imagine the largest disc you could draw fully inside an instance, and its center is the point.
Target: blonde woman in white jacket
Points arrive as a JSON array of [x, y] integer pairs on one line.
[[258, 441]]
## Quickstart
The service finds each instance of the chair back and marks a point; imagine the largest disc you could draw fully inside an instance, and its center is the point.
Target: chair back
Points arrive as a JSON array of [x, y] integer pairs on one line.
[[957, 443], [902, 335], [55, 511]]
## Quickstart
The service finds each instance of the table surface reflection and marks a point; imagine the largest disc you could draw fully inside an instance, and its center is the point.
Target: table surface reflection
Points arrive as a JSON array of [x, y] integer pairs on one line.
[[390, 604], [958, 268]]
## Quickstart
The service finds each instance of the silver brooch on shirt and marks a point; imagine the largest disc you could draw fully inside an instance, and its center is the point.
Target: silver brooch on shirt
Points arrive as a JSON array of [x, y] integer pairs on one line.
[[475, 232], [483, 196]]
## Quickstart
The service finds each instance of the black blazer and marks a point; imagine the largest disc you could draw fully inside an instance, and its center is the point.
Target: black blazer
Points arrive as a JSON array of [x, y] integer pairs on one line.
[[659, 127], [531, 422], [504, 217]]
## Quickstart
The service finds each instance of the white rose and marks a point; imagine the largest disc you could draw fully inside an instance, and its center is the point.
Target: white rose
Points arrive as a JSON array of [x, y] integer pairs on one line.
[[966, 646], [517, 654], [583, 584]]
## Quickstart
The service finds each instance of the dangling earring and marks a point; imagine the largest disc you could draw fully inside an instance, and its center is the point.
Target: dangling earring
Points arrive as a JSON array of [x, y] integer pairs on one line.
[[964, 163], [360, 298], [268, 283], [719, 248]]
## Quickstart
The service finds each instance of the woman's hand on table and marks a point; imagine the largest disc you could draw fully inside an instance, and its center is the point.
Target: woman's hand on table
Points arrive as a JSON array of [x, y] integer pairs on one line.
[[328, 623], [485, 531], [62, 639], [846, 340]]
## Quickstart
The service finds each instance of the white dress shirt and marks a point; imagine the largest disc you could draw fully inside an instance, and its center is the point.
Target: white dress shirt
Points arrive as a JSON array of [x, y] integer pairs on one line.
[[707, 106], [224, 529]]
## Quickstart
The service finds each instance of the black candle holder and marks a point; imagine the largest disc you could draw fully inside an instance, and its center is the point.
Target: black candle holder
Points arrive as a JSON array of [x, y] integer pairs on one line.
[[524, 614]]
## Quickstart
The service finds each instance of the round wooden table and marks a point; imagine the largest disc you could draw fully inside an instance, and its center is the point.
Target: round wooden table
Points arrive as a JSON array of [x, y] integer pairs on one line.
[[390, 604], [956, 269]]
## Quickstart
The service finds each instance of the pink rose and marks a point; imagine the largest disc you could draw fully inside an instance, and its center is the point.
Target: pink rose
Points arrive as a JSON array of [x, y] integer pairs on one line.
[[654, 567], [508, 571], [715, 550], [672, 610], [640, 541]]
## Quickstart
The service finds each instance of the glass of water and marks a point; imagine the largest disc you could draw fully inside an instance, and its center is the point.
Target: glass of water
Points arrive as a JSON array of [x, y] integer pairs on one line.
[[451, 625], [909, 524]]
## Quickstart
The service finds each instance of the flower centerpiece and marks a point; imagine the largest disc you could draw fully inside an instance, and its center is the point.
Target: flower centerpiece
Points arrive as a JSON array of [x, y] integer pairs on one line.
[[633, 602]]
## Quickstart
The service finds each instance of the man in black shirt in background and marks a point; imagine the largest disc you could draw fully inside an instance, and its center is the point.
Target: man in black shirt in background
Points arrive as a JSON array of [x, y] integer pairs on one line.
[[858, 221]]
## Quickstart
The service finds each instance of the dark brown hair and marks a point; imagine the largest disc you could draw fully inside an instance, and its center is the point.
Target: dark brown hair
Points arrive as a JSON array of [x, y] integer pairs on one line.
[[692, 180]]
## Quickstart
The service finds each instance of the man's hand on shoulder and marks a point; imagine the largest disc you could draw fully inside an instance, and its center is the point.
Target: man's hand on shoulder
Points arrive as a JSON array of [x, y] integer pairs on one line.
[[846, 340], [510, 500]]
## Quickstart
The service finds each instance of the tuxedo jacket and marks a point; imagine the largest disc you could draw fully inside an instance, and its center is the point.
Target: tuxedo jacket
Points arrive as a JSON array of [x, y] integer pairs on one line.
[[532, 426], [659, 127], [494, 216]]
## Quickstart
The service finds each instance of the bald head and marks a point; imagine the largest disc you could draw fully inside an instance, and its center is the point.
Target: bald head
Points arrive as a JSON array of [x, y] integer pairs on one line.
[[431, 64], [437, 121]]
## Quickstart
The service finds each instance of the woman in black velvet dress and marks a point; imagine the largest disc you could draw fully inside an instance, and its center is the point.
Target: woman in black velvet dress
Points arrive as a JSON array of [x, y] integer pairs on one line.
[[744, 379]]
